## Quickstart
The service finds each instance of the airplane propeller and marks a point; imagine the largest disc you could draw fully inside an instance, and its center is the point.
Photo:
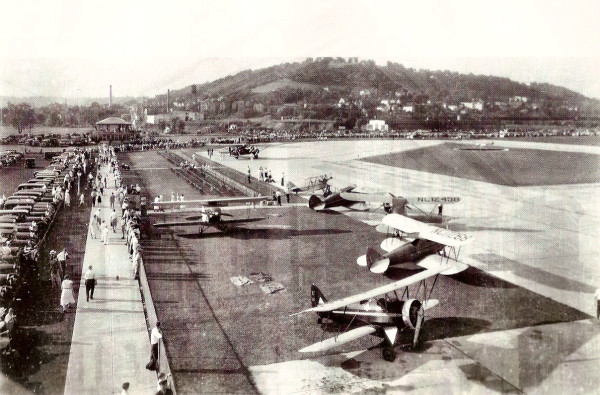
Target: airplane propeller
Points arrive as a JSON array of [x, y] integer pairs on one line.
[[420, 319]]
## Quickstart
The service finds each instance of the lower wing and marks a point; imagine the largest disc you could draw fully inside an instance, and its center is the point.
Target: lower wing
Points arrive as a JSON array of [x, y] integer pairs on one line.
[[344, 338]]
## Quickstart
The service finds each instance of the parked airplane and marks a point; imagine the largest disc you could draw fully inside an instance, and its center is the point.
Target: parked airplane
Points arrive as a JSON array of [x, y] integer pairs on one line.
[[380, 311], [414, 242], [357, 201], [209, 216], [313, 184]]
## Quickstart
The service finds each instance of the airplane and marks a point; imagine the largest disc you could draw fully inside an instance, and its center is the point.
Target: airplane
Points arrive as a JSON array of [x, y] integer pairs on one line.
[[357, 201], [242, 150], [313, 184], [209, 215], [414, 242], [380, 311]]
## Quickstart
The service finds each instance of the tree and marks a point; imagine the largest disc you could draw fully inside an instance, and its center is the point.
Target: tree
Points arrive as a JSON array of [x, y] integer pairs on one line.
[[21, 116]]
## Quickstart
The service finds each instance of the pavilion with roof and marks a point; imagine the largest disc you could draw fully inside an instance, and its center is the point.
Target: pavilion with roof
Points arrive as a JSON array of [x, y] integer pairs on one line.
[[113, 124]]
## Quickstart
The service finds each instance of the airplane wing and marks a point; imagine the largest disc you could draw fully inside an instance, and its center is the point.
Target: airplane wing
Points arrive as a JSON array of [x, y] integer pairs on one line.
[[177, 223], [425, 231], [336, 304], [343, 338], [212, 202], [367, 197]]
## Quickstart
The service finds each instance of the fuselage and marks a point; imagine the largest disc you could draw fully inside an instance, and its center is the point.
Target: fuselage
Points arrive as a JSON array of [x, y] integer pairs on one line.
[[413, 251]]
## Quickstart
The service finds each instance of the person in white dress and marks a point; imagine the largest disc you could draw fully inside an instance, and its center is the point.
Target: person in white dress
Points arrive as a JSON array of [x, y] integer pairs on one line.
[[66, 296]]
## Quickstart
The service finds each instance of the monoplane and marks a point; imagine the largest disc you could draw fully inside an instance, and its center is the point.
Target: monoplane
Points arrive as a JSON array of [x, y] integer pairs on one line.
[[208, 214], [385, 202]]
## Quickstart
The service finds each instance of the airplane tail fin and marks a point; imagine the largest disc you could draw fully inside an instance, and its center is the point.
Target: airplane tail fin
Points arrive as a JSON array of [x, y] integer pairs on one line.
[[314, 203], [316, 296], [376, 262]]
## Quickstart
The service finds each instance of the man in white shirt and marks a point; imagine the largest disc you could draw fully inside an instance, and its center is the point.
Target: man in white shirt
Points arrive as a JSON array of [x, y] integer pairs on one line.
[[155, 336], [90, 283], [62, 259]]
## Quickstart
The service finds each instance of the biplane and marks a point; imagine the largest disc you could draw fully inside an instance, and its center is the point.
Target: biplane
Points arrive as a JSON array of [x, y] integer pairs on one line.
[[313, 184], [381, 311], [209, 214], [413, 242], [386, 202]]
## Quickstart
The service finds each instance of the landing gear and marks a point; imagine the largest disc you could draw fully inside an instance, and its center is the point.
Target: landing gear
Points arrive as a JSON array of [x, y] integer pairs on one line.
[[388, 354], [319, 320]]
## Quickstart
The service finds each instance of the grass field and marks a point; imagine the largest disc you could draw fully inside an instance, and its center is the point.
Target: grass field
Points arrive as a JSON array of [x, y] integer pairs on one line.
[[515, 167]]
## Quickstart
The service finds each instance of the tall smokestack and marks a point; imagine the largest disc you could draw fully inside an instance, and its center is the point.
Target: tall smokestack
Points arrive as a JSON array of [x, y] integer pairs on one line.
[[168, 92], [110, 96]]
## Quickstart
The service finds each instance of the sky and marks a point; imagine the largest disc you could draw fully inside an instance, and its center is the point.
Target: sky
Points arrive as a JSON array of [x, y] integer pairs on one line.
[[78, 48]]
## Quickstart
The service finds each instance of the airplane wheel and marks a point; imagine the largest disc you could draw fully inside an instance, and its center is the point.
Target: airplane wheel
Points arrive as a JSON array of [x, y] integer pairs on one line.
[[389, 354]]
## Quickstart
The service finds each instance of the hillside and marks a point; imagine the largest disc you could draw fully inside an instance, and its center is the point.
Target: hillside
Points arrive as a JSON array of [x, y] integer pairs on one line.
[[341, 78]]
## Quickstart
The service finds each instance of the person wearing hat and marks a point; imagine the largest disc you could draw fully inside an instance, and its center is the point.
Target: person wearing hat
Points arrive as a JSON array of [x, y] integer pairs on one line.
[[163, 386]]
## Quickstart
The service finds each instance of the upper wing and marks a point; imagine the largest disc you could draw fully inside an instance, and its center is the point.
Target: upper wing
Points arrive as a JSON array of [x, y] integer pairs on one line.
[[213, 202], [343, 338], [336, 304], [425, 231]]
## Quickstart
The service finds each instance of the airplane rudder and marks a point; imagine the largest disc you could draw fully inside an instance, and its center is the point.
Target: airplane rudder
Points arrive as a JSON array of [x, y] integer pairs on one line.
[[316, 296], [372, 256], [314, 201]]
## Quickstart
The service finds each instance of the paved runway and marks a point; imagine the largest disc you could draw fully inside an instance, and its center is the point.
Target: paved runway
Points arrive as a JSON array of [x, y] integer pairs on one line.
[[541, 238]]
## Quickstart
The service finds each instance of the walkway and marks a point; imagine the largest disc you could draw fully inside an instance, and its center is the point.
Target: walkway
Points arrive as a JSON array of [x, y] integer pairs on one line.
[[110, 342]]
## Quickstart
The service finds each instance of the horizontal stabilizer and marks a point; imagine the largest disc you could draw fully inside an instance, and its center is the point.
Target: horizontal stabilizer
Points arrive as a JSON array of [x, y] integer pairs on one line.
[[362, 260], [343, 338], [434, 261]]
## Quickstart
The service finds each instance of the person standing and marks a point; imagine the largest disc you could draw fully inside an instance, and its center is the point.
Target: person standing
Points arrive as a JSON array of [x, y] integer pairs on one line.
[[155, 337], [597, 296], [282, 179], [81, 199], [93, 197], [66, 296], [112, 200], [90, 283], [104, 237], [287, 194], [62, 260], [67, 198], [113, 221], [278, 196]]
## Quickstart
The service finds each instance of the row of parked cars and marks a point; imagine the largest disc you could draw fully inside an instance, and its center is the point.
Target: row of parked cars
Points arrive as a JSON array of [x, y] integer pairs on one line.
[[25, 217], [50, 140]]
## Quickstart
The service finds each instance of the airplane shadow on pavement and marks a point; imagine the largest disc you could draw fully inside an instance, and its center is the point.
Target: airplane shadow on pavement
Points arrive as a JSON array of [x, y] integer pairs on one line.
[[279, 234]]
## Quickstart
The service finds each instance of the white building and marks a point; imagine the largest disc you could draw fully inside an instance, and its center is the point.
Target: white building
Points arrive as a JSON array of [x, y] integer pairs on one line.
[[375, 125], [408, 108], [473, 105]]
